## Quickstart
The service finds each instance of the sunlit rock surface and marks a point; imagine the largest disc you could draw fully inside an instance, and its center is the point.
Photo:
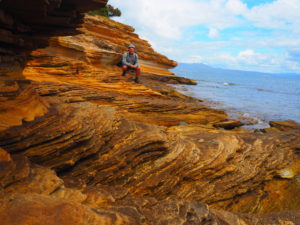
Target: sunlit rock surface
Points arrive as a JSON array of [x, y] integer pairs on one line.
[[24, 26], [80, 144], [31, 194], [96, 52]]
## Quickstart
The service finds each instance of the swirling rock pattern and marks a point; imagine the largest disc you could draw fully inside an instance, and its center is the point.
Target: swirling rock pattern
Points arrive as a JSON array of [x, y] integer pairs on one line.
[[79, 144], [190, 162], [35, 195]]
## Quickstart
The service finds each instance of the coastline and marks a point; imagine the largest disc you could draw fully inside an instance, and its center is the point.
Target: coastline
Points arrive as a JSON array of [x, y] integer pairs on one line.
[[127, 135], [254, 99], [79, 137], [250, 121]]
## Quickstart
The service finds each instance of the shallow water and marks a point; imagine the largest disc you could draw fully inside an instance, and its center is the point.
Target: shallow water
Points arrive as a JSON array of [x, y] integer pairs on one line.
[[263, 97]]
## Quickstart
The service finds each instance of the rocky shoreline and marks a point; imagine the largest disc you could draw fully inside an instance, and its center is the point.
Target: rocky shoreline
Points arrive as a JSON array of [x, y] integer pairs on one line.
[[140, 158], [80, 144], [248, 121]]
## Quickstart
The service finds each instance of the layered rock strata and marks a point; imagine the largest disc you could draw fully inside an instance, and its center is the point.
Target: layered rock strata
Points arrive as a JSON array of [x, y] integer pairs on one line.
[[25, 26], [96, 51], [31, 194], [79, 144]]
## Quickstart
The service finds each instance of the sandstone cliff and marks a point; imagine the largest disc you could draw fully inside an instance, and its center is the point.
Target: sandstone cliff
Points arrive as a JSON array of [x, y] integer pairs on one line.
[[96, 52], [79, 144]]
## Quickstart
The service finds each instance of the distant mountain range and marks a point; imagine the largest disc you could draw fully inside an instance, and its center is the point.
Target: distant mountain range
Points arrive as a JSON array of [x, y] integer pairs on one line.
[[203, 68]]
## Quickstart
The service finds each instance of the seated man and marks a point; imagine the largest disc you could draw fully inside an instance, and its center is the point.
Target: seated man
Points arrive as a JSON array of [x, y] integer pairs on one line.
[[130, 62]]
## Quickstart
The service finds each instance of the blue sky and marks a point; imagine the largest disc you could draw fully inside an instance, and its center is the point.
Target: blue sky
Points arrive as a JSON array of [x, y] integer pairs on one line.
[[235, 34]]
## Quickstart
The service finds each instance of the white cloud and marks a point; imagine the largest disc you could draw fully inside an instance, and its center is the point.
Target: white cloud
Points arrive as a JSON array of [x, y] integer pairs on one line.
[[280, 14], [236, 7], [246, 53], [213, 33], [249, 57], [167, 18], [166, 23], [251, 60]]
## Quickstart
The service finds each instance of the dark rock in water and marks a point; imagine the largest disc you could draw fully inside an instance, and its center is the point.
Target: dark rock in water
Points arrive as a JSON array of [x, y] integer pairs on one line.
[[246, 118], [228, 124]]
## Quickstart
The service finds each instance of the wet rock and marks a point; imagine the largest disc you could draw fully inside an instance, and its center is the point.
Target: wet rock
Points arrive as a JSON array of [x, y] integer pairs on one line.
[[285, 125], [228, 124]]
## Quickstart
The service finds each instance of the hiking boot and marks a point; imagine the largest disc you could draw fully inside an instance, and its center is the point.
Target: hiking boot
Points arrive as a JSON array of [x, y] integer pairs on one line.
[[137, 80]]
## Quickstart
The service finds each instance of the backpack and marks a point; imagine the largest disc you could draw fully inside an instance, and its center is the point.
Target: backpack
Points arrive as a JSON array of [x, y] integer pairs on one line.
[[120, 64]]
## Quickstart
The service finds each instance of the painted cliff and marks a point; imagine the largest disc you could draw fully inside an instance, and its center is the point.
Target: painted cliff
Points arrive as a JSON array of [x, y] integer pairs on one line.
[[80, 144]]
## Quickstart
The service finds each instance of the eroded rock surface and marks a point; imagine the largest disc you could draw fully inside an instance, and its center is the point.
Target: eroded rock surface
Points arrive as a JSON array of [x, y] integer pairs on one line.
[[25, 26], [35, 195], [79, 144]]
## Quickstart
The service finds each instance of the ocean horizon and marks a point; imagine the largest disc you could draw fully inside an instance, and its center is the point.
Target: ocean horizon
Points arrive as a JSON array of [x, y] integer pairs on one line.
[[263, 97]]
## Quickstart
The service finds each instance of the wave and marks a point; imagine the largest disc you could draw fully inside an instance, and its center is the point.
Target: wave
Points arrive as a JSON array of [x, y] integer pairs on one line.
[[216, 82], [277, 92], [263, 90], [229, 84]]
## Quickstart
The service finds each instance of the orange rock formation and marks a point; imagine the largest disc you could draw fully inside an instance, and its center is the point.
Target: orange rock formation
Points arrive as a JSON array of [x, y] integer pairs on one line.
[[96, 52], [79, 144]]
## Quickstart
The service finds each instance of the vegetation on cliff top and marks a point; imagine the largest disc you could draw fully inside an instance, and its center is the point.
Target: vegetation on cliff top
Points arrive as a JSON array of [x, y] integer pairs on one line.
[[108, 11]]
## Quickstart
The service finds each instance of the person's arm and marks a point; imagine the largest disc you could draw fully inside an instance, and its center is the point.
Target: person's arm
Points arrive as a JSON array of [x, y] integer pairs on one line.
[[124, 60], [136, 61]]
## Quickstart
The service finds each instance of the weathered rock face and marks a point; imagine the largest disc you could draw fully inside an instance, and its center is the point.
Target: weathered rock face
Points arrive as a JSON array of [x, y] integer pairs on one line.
[[31, 194], [25, 26], [90, 59], [79, 144], [95, 53]]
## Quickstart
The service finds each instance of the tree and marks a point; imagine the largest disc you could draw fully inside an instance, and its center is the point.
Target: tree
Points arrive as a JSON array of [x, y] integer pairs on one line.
[[108, 11], [113, 11]]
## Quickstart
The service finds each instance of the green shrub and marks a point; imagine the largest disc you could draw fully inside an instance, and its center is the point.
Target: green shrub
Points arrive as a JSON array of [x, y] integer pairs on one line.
[[108, 11]]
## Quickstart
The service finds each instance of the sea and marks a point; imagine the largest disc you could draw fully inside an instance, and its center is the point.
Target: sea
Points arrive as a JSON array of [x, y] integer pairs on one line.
[[252, 96]]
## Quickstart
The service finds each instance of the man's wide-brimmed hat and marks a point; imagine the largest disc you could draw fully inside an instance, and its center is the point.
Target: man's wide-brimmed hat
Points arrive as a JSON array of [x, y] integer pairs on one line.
[[131, 46]]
